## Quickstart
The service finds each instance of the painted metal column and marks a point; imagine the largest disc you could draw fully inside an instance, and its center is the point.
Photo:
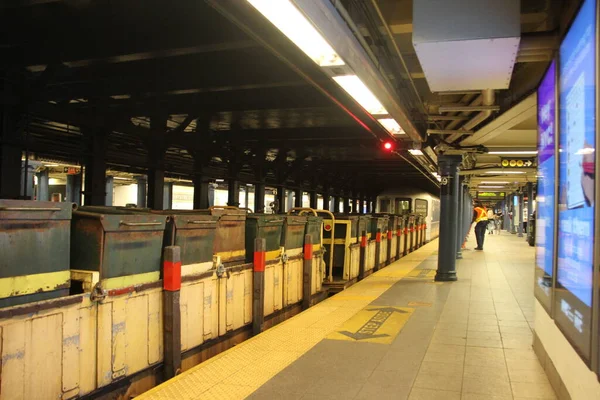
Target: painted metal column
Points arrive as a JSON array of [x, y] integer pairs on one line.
[[201, 185], [247, 196], [109, 190], [141, 191], [73, 189], [505, 217], [156, 188], [95, 169], [298, 197], [313, 199], [529, 204], [168, 196], [259, 197], [336, 204], [233, 192], [280, 200], [448, 165], [346, 205], [10, 156], [461, 216], [27, 173], [289, 203], [521, 209], [43, 188], [326, 201]]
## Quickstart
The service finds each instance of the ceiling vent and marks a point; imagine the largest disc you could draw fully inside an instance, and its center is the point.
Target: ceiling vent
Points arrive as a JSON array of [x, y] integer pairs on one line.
[[466, 44]]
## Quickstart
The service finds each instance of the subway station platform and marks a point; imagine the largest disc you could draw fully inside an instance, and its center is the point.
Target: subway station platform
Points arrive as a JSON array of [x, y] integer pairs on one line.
[[395, 335]]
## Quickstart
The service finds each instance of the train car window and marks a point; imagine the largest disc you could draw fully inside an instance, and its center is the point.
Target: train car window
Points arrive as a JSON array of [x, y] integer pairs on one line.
[[421, 207], [403, 206], [384, 205]]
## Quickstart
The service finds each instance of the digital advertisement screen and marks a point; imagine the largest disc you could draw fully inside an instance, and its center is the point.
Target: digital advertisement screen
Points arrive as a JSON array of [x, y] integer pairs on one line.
[[573, 295], [544, 233]]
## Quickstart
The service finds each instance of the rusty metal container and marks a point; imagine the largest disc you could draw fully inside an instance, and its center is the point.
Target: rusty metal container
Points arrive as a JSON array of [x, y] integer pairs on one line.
[[230, 233], [265, 226], [292, 236], [193, 231], [34, 246], [366, 225], [379, 221], [314, 228], [124, 246]]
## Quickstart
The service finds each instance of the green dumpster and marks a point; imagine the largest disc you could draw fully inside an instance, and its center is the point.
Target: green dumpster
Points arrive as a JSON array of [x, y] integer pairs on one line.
[[34, 244], [264, 226], [124, 246]]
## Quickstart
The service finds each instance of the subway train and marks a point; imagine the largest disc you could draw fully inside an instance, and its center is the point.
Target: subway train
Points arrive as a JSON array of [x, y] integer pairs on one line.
[[412, 201]]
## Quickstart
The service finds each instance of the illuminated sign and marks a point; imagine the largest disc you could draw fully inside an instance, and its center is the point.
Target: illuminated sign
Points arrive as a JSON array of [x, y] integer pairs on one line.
[[517, 163], [71, 170], [497, 195]]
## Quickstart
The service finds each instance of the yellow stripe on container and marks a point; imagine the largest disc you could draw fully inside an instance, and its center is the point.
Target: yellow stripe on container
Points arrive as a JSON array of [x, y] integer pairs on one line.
[[28, 284], [130, 280]]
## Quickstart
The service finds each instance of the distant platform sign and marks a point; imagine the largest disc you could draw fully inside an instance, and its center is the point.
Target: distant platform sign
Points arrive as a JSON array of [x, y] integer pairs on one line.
[[491, 195], [374, 324], [517, 162]]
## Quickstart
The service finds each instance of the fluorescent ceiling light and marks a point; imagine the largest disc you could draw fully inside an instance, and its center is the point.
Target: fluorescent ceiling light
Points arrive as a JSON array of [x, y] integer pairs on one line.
[[415, 152], [585, 151], [51, 165], [361, 93], [505, 172], [515, 152], [391, 126], [121, 178], [293, 24], [490, 187], [495, 182]]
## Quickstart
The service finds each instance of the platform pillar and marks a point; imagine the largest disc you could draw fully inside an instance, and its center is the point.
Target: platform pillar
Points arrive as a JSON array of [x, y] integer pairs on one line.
[[521, 200], [298, 198], [142, 191], [43, 186], [156, 188], [172, 311], [168, 195], [73, 189], [233, 192], [346, 205], [336, 204], [258, 293], [307, 275], [109, 190], [326, 201], [10, 156], [313, 199], [27, 174], [259, 197], [529, 204], [377, 249], [448, 165], [95, 169], [201, 186], [280, 200], [461, 216]]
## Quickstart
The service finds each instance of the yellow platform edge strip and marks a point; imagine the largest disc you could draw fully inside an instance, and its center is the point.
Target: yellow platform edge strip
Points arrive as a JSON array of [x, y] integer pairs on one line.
[[333, 313]]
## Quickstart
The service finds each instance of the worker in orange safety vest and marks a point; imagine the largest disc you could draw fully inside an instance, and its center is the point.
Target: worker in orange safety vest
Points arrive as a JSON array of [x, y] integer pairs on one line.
[[481, 221]]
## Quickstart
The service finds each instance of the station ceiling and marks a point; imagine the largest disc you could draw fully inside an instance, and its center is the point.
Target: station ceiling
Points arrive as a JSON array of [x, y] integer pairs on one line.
[[216, 85]]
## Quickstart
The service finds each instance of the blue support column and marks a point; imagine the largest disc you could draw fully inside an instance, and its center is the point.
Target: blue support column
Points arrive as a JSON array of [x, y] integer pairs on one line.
[[43, 189], [109, 190], [168, 196], [521, 209], [141, 191], [461, 216], [448, 165]]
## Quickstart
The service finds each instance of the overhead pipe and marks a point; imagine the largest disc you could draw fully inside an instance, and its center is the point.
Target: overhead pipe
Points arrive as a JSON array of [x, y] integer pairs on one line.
[[487, 100]]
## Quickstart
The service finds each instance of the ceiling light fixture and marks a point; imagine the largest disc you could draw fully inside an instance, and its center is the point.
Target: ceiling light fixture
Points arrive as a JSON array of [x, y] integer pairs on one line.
[[513, 153], [391, 126], [293, 24], [361, 93], [505, 172], [415, 152]]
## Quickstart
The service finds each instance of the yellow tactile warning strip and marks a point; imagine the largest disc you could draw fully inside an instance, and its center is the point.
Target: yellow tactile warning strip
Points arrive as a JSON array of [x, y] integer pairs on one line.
[[239, 371], [373, 324]]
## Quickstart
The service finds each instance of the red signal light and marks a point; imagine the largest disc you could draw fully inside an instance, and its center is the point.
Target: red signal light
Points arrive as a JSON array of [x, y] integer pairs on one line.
[[388, 146]]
